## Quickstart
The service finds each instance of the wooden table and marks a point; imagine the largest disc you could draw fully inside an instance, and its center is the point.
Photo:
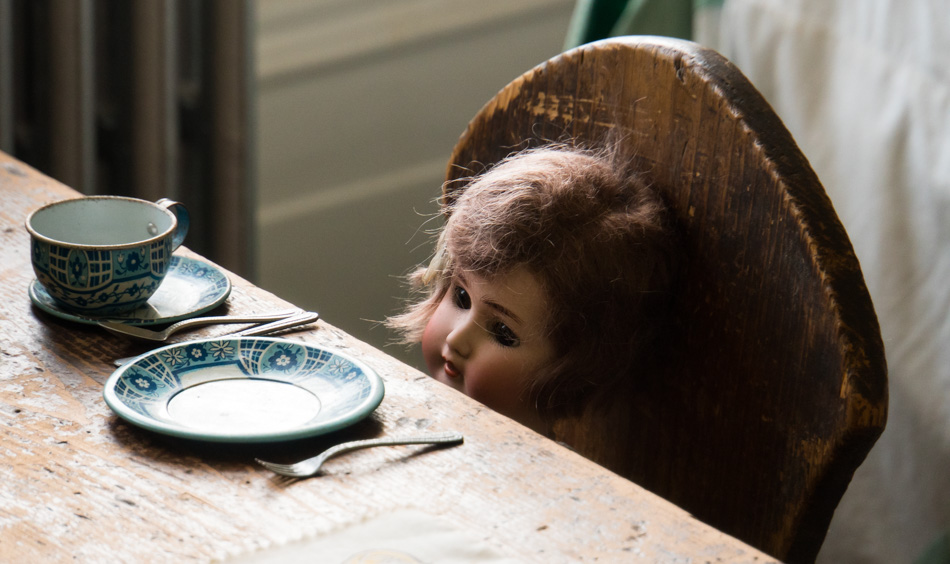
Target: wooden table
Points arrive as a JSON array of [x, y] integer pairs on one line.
[[78, 483]]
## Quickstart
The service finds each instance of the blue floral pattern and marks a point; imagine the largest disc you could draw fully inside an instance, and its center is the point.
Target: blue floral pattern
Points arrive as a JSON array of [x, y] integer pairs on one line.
[[284, 358], [78, 268], [195, 352], [130, 261], [147, 383], [338, 365], [222, 349], [144, 383], [41, 255], [174, 357]]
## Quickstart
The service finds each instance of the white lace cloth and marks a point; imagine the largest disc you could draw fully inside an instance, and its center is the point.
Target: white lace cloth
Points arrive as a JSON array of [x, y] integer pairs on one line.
[[401, 537]]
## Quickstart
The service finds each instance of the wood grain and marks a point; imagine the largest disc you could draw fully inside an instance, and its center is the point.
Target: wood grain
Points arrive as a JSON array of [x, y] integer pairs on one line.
[[776, 383], [78, 484]]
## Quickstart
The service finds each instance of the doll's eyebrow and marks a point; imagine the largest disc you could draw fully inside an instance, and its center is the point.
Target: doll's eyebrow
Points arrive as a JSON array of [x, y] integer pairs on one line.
[[503, 310]]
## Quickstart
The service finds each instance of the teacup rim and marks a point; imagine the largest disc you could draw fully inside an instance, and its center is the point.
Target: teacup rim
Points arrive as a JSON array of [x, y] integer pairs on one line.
[[139, 243]]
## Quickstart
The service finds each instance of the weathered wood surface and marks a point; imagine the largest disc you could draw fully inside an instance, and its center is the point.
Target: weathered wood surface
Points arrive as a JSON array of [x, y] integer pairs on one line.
[[78, 484], [776, 386]]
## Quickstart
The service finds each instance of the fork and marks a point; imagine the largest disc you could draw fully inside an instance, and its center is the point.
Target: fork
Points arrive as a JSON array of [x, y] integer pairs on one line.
[[311, 466], [127, 330]]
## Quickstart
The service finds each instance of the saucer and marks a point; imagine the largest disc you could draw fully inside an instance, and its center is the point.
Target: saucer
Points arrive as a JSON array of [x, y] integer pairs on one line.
[[190, 288], [247, 389]]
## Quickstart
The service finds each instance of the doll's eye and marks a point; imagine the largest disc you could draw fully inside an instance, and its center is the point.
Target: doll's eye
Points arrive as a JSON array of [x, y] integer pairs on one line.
[[504, 335], [461, 298]]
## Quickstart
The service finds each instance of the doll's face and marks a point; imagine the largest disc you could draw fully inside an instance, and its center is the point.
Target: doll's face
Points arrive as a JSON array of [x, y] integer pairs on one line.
[[487, 339]]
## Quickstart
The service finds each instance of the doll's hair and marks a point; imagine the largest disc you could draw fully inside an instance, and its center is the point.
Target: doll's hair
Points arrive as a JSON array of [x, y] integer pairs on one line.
[[597, 238]]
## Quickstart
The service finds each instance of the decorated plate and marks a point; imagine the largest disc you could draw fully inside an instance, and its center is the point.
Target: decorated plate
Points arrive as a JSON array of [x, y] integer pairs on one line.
[[251, 389], [190, 288]]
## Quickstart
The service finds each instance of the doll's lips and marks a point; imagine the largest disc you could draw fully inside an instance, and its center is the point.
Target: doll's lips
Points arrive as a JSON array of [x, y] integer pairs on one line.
[[451, 371]]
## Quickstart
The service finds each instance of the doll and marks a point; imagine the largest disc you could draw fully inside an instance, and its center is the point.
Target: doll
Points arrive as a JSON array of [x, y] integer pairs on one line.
[[550, 284]]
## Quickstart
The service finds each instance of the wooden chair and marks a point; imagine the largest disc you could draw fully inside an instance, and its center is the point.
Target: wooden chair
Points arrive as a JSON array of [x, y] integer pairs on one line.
[[778, 389]]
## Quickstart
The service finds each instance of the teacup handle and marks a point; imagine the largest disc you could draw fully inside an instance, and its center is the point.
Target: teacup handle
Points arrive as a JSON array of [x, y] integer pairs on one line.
[[184, 221]]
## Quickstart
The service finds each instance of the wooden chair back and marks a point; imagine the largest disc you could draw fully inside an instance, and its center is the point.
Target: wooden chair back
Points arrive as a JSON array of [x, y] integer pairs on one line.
[[777, 389]]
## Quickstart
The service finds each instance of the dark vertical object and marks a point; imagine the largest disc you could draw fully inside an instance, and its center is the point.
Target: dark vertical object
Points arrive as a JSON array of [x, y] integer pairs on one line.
[[154, 82], [114, 117], [146, 98], [72, 100], [231, 157], [6, 76]]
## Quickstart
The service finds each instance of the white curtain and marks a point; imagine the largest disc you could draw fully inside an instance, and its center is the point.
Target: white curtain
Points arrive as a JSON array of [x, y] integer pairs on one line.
[[864, 87]]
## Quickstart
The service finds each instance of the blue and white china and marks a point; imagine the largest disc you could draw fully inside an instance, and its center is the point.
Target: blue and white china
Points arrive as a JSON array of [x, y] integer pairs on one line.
[[101, 255], [245, 389], [191, 287]]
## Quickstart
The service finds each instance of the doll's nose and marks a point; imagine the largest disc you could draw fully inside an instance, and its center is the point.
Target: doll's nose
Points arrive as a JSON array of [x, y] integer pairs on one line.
[[459, 338]]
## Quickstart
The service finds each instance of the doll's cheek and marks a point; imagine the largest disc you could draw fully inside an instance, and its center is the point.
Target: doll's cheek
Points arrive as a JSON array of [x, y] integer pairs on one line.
[[432, 348]]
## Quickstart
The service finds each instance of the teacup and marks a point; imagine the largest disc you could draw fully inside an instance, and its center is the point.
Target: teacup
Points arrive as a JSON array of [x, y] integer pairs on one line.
[[100, 255]]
